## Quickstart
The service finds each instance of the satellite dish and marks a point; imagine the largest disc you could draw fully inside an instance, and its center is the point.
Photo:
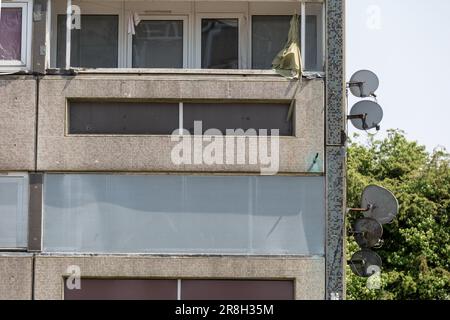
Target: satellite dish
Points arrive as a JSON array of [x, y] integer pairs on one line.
[[366, 115], [364, 83], [365, 263], [381, 204], [367, 232]]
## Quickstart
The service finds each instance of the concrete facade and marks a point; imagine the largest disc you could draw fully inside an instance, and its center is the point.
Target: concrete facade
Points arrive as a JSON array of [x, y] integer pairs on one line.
[[34, 139], [17, 123], [16, 276], [307, 273], [59, 151]]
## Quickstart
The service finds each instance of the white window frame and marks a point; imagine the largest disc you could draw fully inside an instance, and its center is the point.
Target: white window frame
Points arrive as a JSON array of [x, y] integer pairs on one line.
[[192, 16], [287, 9], [312, 9], [186, 35], [25, 60], [90, 8], [242, 52]]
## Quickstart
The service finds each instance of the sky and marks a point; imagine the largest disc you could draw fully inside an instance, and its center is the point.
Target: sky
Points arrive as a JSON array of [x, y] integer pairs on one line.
[[407, 44]]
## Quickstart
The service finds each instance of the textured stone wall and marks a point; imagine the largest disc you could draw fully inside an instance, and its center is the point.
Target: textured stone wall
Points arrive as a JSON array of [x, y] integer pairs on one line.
[[307, 272], [16, 276], [335, 126], [17, 123]]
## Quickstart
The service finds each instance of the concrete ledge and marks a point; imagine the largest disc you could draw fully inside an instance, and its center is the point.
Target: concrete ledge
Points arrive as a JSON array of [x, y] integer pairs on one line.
[[308, 272]]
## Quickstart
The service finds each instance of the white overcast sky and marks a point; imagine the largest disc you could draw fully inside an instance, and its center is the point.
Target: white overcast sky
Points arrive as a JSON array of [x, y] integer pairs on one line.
[[407, 44]]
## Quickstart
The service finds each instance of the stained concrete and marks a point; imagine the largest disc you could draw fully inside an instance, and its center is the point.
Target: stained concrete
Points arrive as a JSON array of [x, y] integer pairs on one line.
[[59, 151], [308, 272], [16, 276], [17, 123]]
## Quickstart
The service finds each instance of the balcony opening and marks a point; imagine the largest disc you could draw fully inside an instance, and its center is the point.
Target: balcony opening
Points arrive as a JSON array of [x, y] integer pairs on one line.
[[181, 35]]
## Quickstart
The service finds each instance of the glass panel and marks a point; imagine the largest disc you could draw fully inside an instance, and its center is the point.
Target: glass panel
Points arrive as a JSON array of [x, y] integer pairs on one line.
[[122, 117], [158, 44], [183, 214], [94, 45], [220, 44], [314, 37], [11, 34], [13, 212], [288, 214], [224, 116], [311, 63], [269, 35]]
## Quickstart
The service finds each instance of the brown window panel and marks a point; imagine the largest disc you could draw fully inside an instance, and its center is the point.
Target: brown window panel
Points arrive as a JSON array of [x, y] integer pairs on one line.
[[237, 290], [122, 117], [234, 116], [123, 289]]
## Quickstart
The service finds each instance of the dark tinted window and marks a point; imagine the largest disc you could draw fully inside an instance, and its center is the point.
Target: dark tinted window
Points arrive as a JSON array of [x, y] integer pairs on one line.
[[220, 43], [122, 118], [94, 45], [158, 44], [269, 35], [161, 289], [244, 116]]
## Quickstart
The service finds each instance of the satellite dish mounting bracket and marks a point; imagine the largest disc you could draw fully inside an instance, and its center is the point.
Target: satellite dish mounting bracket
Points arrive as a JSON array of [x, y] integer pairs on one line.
[[360, 85], [369, 207], [363, 117]]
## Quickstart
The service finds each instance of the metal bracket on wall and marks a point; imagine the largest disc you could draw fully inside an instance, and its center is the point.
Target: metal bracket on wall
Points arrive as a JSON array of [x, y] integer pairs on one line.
[[35, 212]]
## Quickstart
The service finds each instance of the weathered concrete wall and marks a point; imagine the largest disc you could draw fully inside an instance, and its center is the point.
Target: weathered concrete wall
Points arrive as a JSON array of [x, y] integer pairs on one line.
[[16, 276], [308, 272], [61, 152], [17, 123]]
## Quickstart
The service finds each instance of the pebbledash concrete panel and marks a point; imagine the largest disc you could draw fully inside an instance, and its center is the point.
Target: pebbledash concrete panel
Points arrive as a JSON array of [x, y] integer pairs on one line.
[[59, 151], [17, 123], [16, 276], [51, 272]]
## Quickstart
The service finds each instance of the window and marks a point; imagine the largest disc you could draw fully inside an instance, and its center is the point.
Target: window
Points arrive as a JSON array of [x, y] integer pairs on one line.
[[160, 43], [181, 289], [130, 117], [122, 118], [15, 36], [220, 43], [124, 289], [237, 289], [223, 116], [103, 213], [269, 35], [94, 45], [170, 34], [13, 211]]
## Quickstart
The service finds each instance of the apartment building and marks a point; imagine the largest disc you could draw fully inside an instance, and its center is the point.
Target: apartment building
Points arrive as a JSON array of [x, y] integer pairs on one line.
[[119, 177]]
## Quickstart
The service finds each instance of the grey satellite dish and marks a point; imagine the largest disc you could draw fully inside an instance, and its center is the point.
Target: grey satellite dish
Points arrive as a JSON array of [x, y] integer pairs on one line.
[[364, 83], [365, 263], [381, 204], [367, 232], [366, 115]]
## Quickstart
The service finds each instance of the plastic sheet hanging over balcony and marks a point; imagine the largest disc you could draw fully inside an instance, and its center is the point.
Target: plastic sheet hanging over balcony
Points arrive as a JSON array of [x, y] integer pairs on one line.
[[288, 61]]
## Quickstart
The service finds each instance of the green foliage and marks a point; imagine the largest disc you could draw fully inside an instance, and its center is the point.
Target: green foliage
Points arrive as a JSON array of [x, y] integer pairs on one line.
[[416, 249]]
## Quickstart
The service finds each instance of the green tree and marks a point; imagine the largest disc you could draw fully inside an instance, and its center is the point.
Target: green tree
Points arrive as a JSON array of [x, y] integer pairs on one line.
[[416, 249]]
